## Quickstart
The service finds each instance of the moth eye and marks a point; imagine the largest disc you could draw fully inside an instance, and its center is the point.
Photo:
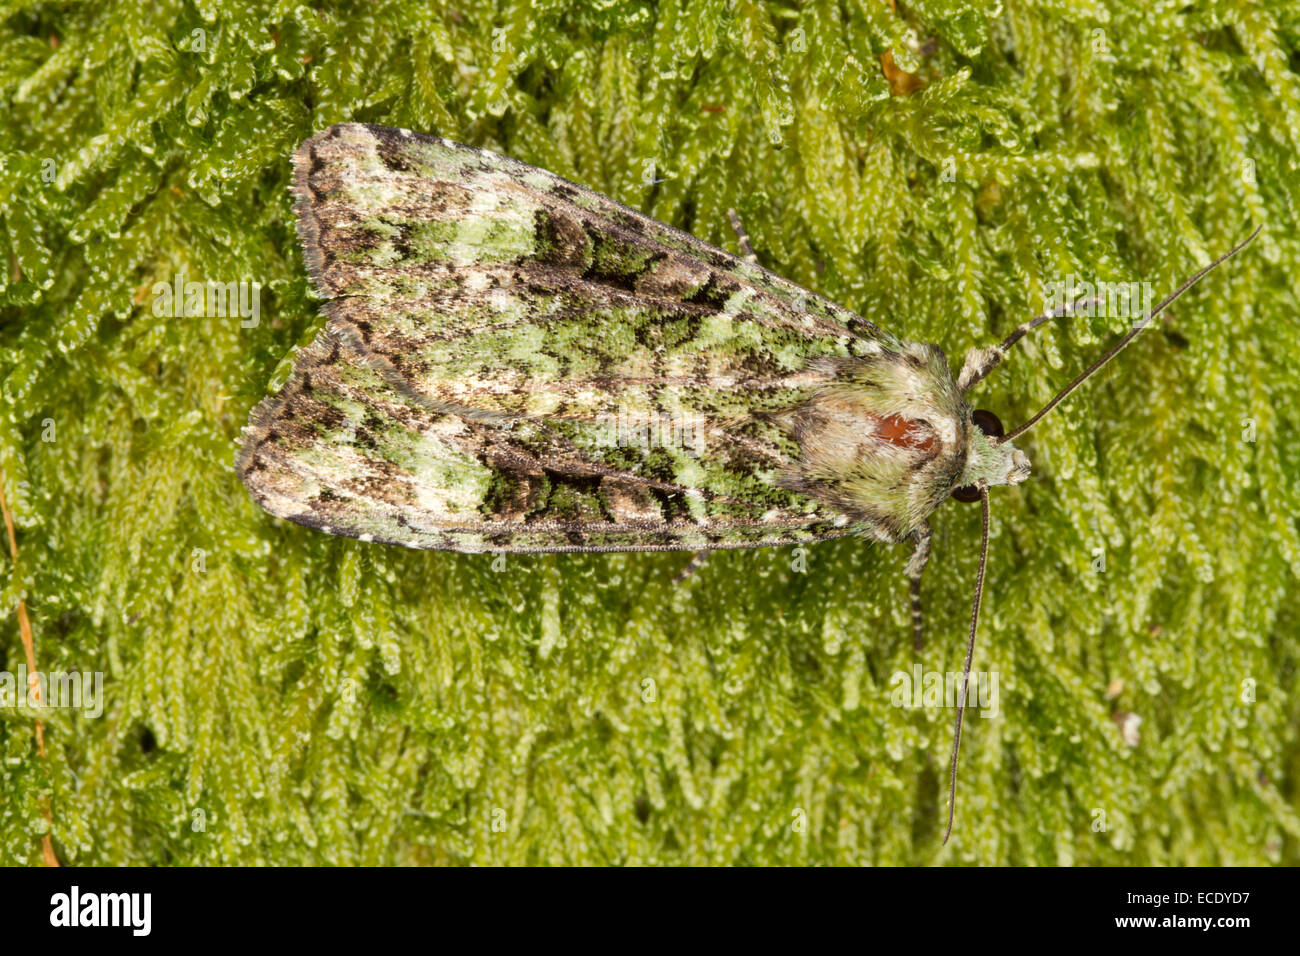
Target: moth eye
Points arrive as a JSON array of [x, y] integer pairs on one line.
[[988, 423], [967, 493]]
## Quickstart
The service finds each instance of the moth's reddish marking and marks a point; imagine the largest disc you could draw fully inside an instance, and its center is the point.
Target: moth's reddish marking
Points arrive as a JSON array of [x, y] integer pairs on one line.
[[904, 432]]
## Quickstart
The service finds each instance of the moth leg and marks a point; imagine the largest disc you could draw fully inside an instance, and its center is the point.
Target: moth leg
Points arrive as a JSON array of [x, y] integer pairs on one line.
[[915, 568], [697, 562], [741, 236]]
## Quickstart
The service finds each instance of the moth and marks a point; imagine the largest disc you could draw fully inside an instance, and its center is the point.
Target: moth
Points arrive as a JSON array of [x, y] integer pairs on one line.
[[514, 363]]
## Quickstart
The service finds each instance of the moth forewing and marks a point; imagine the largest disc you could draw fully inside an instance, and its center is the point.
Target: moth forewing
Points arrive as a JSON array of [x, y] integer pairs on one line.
[[512, 362]]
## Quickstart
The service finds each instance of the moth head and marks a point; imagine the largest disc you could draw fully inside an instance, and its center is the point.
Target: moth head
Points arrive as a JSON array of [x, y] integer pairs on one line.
[[988, 460]]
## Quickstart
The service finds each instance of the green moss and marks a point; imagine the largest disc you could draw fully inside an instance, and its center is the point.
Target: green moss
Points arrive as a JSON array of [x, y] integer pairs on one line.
[[274, 694]]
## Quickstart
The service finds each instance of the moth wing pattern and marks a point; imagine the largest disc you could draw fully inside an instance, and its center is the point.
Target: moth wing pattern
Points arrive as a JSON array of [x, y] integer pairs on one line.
[[513, 362]]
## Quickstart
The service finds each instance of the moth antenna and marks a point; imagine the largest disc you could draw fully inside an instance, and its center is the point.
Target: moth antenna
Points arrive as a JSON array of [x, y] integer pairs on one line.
[[970, 651], [1122, 343], [986, 360]]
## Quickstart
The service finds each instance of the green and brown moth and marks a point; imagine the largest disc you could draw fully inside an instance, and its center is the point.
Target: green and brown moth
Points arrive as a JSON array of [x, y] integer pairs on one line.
[[513, 363]]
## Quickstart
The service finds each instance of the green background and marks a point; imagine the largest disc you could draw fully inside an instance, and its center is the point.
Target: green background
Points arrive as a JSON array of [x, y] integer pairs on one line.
[[276, 695]]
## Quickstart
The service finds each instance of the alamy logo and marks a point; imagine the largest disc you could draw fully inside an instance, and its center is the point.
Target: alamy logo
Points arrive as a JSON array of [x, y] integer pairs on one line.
[[1107, 300], [75, 908], [936, 689], [179, 299], [63, 690], [642, 429]]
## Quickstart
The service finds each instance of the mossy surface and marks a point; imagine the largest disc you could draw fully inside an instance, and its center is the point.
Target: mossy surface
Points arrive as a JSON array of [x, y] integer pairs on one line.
[[276, 695]]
